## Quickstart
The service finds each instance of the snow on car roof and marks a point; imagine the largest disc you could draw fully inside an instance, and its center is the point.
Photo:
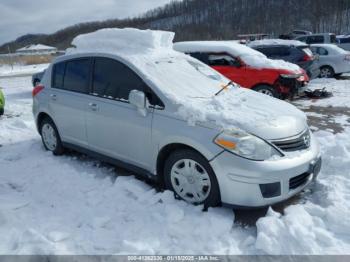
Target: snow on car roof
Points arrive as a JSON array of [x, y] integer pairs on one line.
[[276, 42], [250, 56]]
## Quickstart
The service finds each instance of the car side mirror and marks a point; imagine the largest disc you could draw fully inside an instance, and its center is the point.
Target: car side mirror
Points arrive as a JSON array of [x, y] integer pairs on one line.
[[139, 100]]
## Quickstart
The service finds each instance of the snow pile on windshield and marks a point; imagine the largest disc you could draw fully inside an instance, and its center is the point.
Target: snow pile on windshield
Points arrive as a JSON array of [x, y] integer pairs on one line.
[[125, 41], [249, 56], [269, 42]]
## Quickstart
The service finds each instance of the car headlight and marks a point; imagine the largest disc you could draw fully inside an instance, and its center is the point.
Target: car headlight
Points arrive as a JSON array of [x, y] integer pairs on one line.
[[246, 145]]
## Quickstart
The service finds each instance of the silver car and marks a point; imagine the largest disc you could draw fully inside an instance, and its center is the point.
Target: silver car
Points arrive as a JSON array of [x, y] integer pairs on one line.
[[332, 60], [119, 110]]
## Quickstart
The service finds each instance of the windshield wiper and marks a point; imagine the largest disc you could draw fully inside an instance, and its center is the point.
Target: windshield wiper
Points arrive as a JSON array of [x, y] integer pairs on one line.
[[224, 87]]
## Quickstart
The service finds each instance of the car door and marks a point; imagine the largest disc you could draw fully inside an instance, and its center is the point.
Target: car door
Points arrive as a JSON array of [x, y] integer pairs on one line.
[[114, 127], [68, 99]]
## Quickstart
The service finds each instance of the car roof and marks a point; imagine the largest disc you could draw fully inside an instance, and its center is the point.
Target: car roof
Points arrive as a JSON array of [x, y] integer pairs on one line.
[[276, 42]]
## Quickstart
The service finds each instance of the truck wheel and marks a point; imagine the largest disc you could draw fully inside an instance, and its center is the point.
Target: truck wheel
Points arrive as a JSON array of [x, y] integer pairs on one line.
[[190, 176], [266, 90]]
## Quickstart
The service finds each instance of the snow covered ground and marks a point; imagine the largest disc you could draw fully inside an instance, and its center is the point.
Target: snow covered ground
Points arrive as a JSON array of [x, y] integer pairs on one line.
[[76, 205]]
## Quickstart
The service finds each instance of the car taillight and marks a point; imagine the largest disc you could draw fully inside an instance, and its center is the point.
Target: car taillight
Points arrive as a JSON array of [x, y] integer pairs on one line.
[[37, 90], [308, 58]]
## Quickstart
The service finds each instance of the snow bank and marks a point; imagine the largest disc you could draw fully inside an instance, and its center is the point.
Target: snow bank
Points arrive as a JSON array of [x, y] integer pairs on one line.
[[269, 42], [128, 41], [250, 56]]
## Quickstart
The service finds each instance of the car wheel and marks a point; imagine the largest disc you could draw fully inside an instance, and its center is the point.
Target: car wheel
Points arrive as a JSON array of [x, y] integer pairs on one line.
[[50, 137], [326, 72], [190, 176], [266, 90], [1, 111]]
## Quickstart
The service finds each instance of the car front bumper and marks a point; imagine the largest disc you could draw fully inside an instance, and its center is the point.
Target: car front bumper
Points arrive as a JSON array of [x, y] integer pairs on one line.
[[247, 183]]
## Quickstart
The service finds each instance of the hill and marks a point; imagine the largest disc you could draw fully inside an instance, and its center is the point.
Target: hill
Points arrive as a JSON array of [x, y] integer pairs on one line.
[[216, 19]]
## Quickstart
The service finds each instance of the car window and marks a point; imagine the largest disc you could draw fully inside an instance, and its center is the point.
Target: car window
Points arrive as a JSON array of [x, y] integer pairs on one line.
[[322, 51], [58, 74], [344, 40], [77, 75], [302, 39], [222, 60], [114, 80], [275, 51], [203, 57], [333, 39], [316, 39]]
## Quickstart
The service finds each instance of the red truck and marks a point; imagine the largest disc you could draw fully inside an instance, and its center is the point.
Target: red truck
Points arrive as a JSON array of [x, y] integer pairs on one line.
[[248, 67]]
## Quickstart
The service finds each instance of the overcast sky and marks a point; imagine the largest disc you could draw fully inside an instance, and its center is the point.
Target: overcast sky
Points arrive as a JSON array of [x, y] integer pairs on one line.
[[19, 17]]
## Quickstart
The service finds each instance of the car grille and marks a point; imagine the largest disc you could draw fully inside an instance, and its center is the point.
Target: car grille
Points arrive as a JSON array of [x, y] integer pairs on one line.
[[294, 144], [298, 181]]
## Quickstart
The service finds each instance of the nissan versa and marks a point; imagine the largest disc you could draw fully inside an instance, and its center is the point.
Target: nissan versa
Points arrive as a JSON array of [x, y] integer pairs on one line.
[[135, 111]]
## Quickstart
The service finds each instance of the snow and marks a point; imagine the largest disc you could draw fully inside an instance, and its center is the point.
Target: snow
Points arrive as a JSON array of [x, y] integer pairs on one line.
[[38, 47], [270, 42], [127, 41], [76, 205], [250, 56], [339, 88], [7, 70]]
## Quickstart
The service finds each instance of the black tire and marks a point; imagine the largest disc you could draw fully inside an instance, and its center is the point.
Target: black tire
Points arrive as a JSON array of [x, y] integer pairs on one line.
[[58, 148], [213, 199], [326, 72], [267, 90], [1, 111]]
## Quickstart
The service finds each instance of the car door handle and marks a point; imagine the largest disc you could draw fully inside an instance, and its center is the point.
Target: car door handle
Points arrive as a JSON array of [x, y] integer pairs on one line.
[[93, 106], [53, 97]]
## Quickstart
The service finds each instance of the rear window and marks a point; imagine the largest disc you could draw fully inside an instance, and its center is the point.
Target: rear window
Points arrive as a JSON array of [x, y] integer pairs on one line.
[[58, 74], [73, 75], [76, 77], [275, 51], [316, 39]]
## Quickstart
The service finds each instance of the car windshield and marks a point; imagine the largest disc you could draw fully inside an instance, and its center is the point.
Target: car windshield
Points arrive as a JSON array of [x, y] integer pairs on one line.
[[184, 77]]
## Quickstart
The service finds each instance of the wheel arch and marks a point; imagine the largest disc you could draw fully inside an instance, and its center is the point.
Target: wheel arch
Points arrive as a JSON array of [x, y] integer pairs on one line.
[[41, 116], [166, 151]]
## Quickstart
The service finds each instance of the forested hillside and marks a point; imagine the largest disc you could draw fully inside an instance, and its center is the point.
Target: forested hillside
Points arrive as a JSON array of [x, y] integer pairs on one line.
[[218, 19]]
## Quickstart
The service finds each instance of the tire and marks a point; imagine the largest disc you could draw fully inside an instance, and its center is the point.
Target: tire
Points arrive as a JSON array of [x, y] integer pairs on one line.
[[266, 90], [326, 72], [1, 111], [50, 137], [201, 187]]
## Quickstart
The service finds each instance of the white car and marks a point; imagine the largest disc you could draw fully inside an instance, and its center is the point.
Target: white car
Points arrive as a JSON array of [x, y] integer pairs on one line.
[[332, 61]]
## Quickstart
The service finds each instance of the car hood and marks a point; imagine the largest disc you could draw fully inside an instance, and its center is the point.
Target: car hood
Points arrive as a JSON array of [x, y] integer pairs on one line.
[[258, 114]]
